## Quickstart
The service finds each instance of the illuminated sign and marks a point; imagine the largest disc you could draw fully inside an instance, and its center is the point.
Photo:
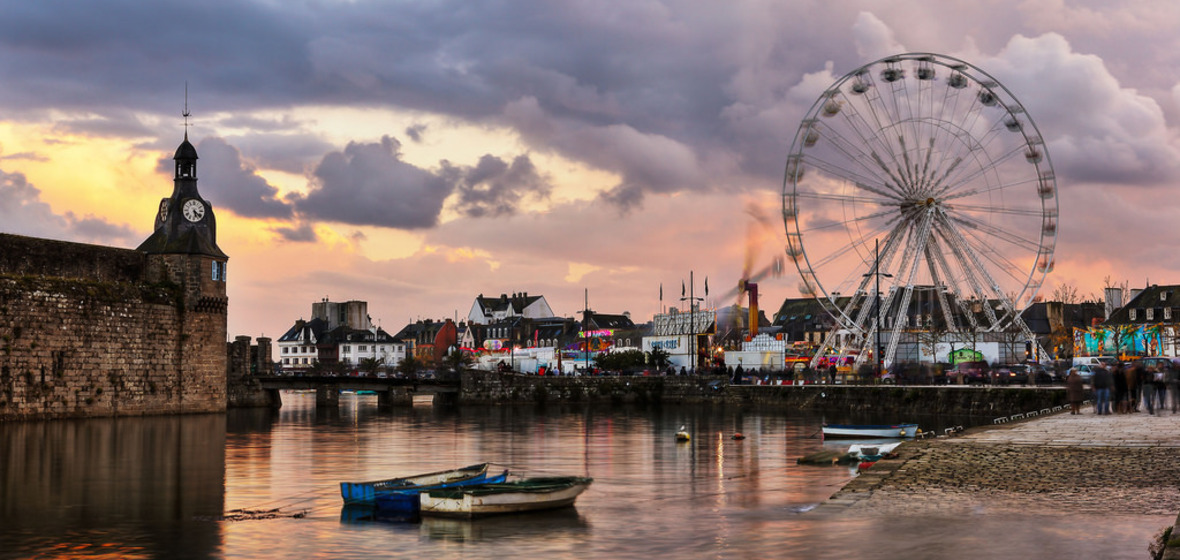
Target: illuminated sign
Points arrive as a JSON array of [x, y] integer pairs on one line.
[[601, 333]]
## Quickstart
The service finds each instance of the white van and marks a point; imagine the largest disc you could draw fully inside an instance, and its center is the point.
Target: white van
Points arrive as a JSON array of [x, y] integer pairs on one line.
[[1104, 361]]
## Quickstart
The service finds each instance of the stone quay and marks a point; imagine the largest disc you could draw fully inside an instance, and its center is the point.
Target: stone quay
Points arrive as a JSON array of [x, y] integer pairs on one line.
[[1055, 464]]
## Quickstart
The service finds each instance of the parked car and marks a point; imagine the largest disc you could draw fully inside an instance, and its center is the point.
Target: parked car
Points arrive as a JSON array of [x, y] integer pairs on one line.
[[972, 372]]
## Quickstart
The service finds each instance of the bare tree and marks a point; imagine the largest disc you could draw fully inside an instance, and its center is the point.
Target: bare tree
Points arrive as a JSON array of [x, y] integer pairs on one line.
[[1066, 293]]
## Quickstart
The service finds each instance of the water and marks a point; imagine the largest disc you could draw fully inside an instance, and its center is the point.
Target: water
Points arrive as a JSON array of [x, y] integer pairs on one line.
[[157, 488]]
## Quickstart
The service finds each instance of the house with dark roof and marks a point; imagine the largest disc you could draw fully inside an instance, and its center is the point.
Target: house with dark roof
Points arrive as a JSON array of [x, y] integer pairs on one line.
[[487, 310], [1147, 325]]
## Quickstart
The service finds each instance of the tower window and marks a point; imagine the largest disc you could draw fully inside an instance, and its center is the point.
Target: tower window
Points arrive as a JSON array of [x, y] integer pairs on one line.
[[218, 271]]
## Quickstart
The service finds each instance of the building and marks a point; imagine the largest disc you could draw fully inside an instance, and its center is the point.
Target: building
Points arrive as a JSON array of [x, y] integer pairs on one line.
[[485, 311], [339, 338], [1147, 325]]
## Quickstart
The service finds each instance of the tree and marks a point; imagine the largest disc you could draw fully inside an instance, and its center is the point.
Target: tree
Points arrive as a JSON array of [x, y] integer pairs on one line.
[[456, 361], [619, 361], [410, 366], [371, 366], [658, 358], [1066, 293]]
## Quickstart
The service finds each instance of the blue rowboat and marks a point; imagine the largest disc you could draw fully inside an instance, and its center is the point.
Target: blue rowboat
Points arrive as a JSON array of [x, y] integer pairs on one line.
[[368, 492], [405, 503], [870, 430]]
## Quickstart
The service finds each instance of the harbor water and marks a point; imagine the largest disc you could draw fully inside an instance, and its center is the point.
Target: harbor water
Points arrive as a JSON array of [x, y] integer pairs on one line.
[[264, 484]]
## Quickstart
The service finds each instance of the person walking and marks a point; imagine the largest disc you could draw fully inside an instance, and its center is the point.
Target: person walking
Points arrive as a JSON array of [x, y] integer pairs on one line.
[[1174, 387], [1074, 391], [1120, 390], [1101, 380], [1160, 381], [1145, 376]]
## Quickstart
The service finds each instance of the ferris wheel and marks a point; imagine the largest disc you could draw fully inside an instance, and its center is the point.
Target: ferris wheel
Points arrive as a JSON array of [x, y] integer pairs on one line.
[[918, 190]]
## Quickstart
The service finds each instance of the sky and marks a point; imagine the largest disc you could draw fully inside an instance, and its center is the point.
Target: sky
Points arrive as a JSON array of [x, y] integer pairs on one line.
[[417, 154]]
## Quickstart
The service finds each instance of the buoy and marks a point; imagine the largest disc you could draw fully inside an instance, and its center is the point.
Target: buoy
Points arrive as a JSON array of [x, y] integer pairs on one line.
[[739, 436], [682, 435]]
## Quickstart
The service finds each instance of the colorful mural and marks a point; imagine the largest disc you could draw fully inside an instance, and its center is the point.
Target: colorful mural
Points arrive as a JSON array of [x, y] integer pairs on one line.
[[1123, 340]]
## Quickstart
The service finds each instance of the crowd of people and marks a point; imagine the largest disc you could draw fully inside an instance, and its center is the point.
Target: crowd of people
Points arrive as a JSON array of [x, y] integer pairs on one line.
[[1127, 388]]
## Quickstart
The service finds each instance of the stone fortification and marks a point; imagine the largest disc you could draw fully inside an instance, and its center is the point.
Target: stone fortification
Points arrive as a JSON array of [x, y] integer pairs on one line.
[[90, 331]]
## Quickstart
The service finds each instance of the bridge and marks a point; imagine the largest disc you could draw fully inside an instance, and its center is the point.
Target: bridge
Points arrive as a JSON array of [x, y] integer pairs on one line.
[[392, 391]]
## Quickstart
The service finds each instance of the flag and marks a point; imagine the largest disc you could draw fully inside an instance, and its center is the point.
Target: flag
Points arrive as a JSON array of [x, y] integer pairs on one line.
[[661, 291], [706, 286], [682, 288]]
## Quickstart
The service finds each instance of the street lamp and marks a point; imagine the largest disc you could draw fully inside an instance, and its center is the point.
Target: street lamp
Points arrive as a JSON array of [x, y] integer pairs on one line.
[[877, 299]]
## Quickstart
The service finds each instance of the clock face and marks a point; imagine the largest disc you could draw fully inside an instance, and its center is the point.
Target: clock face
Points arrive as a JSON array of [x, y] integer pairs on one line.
[[164, 209], [193, 210]]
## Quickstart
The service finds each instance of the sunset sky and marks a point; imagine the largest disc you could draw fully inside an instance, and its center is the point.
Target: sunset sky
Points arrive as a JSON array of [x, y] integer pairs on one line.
[[415, 154]]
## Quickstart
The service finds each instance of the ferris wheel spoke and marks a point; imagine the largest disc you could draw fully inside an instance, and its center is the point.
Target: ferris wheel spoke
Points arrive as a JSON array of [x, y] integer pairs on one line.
[[812, 195], [836, 170], [888, 214], [1028, 244]]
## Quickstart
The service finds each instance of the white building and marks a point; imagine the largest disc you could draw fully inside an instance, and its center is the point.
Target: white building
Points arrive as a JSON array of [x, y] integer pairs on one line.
[[490, 310]]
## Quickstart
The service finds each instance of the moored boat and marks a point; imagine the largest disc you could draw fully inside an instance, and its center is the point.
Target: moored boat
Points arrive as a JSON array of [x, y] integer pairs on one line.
[[367, 492], [404, 503], [870, 430], [528, 494]]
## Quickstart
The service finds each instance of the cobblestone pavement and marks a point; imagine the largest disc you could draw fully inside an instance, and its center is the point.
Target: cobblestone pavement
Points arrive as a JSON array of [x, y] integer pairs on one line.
[[1057, 464]]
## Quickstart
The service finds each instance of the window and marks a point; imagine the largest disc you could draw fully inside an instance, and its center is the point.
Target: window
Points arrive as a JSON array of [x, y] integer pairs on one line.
[[1167, 313], [362, 348], [218, 271], [347, 349], [285, 349], [1150, 314], [1132, 313]]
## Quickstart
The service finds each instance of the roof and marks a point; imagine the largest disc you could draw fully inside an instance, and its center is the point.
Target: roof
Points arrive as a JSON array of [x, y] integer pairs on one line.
[[310, 330], [516, 302], [1153, 297], [608, 321]]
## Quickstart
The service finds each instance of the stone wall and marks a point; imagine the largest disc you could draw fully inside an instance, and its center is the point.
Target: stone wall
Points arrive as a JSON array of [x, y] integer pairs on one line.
[[493, 388], [84, 333], [243, 390]]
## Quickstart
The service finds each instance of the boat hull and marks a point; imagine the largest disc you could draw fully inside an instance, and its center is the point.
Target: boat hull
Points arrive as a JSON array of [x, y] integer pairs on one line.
[[498, 499], [367, 492], [870, 431]]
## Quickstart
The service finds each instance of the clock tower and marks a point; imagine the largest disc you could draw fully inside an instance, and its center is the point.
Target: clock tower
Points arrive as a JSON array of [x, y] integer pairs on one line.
[[184, 243]]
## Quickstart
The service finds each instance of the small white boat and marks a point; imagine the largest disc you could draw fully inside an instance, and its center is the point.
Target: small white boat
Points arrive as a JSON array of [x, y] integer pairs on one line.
[[529, 494], [871, 452], [870, 430]]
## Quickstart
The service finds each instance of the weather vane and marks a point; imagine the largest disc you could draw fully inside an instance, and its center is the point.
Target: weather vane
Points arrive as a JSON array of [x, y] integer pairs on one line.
[[186, 114]]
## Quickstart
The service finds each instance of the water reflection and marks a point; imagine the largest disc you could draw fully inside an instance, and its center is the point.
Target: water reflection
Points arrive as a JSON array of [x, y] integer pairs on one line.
[[156, 488], [122, 487]]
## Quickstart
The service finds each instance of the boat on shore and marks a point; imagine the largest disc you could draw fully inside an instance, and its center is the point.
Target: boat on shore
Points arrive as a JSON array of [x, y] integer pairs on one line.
[[368, 492], [870, 430], [527, 494]]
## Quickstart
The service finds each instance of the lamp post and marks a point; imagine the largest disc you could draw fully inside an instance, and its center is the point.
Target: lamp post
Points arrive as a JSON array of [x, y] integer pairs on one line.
[[692, 334], [877, 299]]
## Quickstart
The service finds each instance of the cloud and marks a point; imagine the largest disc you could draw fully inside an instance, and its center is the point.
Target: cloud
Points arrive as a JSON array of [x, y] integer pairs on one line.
[[495, 188], [1097, 130], [369, 184], [22, 212], [874, 39], [230, 182], [302, 233]]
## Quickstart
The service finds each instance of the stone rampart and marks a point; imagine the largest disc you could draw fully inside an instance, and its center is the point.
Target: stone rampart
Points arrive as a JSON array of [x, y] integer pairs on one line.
[[83, 333]]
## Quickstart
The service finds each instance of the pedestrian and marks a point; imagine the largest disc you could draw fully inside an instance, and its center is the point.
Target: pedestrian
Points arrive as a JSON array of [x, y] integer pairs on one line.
[[1120, 389], [1174, 387], [1148, 388], [1101, 381], [1160, 381], [1132, 388], [1074, 391]]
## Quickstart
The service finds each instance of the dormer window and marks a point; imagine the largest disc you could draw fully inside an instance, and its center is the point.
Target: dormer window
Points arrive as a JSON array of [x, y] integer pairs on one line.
[[1131, 313]]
